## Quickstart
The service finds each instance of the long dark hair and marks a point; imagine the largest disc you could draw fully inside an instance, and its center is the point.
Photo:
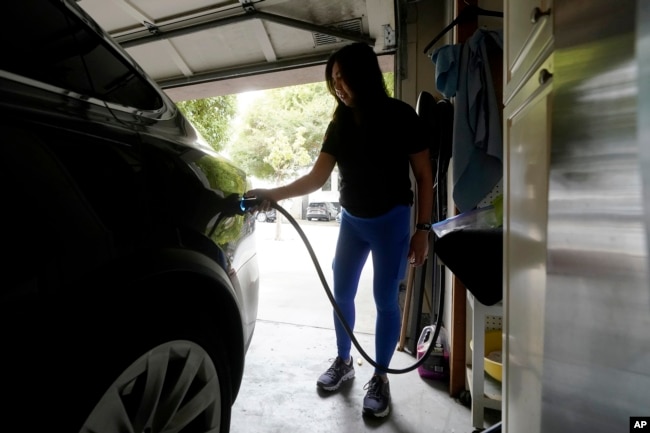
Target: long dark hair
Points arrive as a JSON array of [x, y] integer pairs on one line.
[[361, 72]]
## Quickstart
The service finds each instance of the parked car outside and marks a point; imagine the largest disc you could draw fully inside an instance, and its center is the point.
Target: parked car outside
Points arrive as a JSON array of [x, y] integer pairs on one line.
[[130, 280], [322, 210], [269, 216]]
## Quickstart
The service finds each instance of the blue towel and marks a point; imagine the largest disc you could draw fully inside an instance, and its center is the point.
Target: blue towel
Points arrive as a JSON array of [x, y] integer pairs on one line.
[[446, 59], [478, 145]]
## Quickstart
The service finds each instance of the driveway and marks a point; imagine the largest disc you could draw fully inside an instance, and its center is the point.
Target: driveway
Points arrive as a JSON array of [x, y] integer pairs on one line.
[[290, 288], [294, 343]]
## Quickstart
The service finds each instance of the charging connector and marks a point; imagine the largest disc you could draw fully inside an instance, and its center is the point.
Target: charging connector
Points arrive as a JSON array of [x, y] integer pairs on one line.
[[247, 203], [234, 204]]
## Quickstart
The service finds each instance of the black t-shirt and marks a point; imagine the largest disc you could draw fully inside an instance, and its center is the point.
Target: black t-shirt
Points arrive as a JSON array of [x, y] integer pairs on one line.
[[373, 157]]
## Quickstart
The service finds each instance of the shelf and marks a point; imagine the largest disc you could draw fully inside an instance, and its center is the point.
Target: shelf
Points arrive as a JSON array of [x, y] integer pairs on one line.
[[491, 391], [488, 310], [485, 390]]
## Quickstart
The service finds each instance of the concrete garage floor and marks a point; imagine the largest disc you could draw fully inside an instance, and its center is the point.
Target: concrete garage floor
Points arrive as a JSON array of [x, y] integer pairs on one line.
[[294, 343]]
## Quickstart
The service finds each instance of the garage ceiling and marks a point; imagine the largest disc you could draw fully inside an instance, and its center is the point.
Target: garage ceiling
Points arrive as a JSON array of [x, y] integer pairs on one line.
[[200, 48]]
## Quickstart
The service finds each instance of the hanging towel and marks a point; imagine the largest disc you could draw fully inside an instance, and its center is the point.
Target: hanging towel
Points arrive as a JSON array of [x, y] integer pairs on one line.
[[477, 144], [446, 59]]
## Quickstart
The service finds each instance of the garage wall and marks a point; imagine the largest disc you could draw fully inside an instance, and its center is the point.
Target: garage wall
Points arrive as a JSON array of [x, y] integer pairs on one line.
[[422, 22]]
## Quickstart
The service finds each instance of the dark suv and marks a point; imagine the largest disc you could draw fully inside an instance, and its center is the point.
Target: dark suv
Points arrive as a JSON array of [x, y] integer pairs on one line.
[[130, 279]]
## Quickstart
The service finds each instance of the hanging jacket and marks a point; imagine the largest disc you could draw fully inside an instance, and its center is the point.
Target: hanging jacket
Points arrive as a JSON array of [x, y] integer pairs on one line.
[[477, 144]]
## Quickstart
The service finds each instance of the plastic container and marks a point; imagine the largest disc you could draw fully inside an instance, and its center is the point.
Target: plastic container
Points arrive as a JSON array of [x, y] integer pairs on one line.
[[492, 360], [436, 366], [482, 218]]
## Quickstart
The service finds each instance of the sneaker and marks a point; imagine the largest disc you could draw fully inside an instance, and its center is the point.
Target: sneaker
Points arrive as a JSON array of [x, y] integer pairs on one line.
[[377, 399], [338, 373]]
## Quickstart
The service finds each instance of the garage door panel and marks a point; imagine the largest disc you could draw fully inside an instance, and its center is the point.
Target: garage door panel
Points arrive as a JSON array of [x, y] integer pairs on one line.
[[190, 42]]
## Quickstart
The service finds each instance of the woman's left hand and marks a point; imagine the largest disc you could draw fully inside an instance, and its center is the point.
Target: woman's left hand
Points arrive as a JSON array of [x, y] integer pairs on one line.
[[419, 248]]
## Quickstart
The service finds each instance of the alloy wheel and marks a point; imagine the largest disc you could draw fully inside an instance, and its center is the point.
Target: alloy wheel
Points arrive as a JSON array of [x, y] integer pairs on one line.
[[173, 388]]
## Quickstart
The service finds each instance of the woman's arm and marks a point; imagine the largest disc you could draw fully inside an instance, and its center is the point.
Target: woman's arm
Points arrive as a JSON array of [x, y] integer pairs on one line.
[[304, 185], [421, 166]]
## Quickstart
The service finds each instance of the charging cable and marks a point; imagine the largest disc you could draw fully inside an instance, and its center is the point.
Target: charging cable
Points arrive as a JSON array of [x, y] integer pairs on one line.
[[248, 203]]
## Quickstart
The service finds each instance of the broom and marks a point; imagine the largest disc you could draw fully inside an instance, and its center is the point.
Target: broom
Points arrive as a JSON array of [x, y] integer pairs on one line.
[[407, 308]]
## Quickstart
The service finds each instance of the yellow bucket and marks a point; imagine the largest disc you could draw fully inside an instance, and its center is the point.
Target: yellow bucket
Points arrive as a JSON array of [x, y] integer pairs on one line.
[[492, 355]]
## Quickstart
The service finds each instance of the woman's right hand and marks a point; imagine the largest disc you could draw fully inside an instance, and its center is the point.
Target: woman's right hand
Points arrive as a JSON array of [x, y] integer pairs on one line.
[[265, 196], [304, 185]]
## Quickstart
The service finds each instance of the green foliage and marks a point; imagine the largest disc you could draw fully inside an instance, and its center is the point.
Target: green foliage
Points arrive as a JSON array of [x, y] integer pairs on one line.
[[212, 117], [282, 130], [389, 79], [222, 175]]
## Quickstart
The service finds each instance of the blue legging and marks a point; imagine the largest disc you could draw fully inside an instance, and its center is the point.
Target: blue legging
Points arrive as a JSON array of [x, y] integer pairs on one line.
[[387, 237]]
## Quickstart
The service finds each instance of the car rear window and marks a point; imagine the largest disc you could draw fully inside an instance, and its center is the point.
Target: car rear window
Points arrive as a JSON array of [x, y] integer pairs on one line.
[[317, 205], [44, 41]]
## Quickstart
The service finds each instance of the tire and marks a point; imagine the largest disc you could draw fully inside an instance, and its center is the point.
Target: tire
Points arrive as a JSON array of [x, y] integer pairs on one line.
[[147, 395], [154, 360], [261, 217]]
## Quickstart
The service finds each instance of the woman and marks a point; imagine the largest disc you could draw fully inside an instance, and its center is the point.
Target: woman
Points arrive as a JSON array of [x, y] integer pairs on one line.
[[375, 140]]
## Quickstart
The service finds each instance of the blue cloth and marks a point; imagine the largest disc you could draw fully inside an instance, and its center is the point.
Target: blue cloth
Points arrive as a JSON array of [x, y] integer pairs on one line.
[[477, 150], [446, 59], [387, 237]]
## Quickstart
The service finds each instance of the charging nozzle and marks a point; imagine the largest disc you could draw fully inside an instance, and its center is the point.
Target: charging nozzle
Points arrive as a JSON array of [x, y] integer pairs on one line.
[[246, 203], [234, 204]]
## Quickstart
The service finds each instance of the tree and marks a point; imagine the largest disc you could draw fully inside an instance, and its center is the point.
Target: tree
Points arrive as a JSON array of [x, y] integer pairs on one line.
[[212, 117], [281, 132], [298, 115]]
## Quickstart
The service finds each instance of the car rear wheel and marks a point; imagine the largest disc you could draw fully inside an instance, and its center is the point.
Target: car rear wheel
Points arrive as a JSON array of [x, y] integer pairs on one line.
[[152, 359], [173, 387]]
